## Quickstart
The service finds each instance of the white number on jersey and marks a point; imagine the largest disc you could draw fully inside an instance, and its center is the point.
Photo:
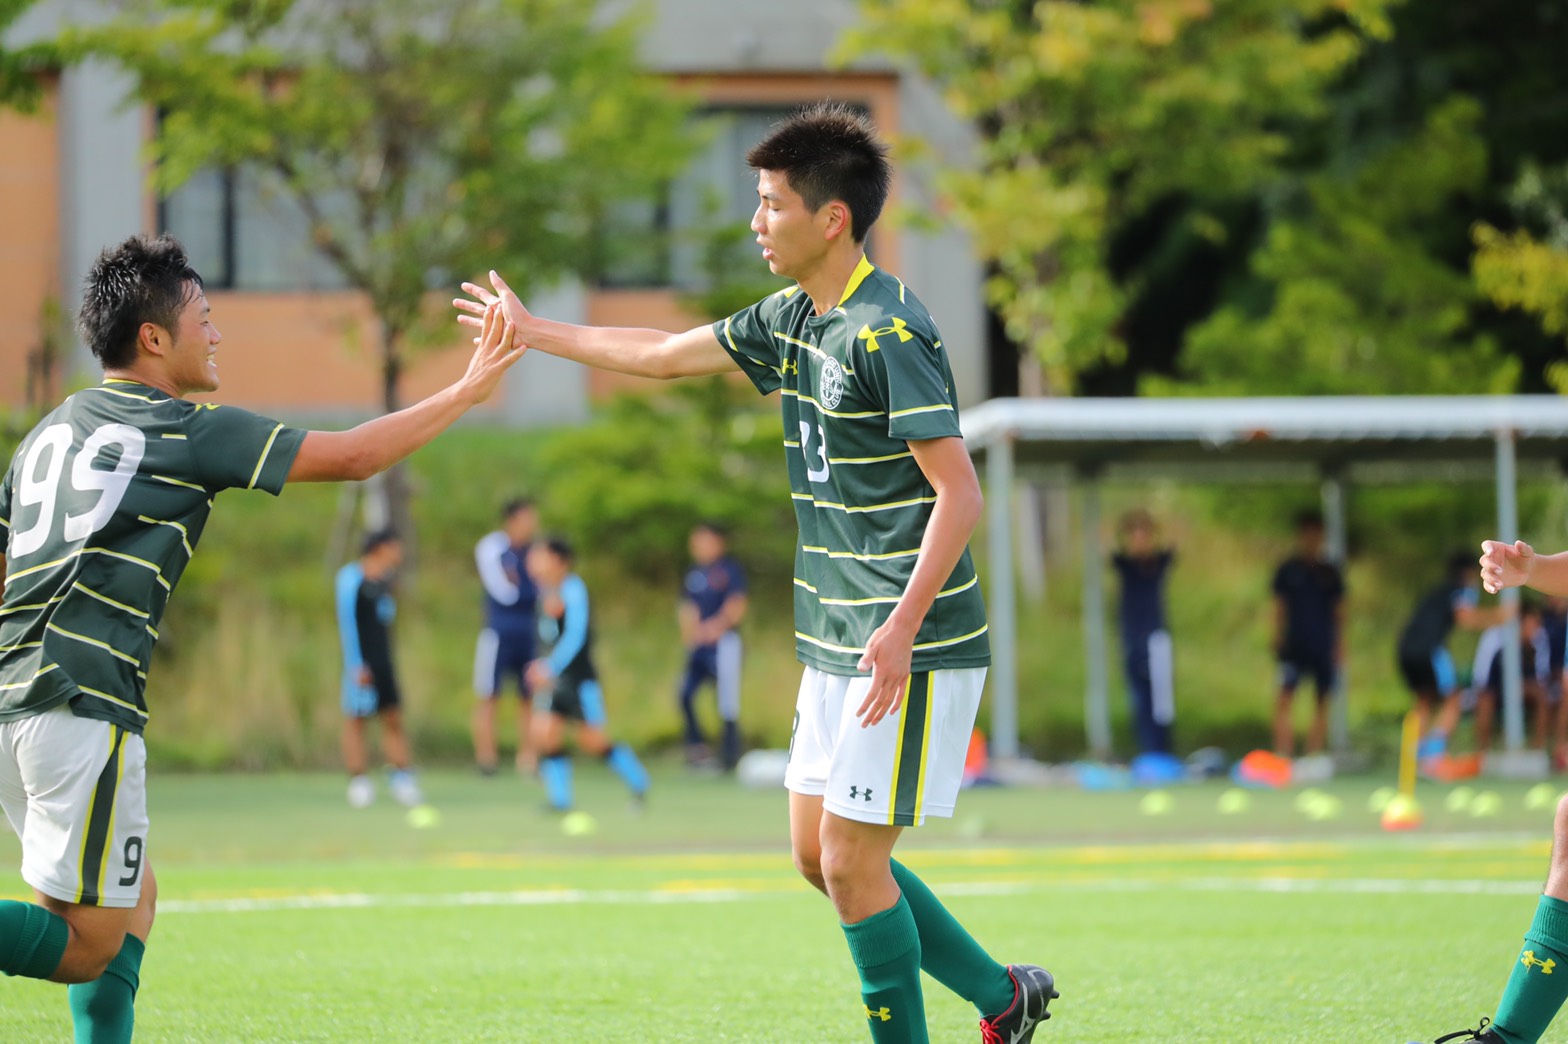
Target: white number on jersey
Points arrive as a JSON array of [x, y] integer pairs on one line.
[[813, 472], [39, 481]]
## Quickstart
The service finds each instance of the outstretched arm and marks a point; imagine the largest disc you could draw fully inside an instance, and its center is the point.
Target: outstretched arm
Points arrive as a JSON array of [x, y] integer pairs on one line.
[[641, 353], [1517, 565], [371, 448]]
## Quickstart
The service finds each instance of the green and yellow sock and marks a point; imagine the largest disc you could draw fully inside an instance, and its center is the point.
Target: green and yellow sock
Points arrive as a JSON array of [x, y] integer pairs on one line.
[[886, 950], [949, 954], [104, 1010], [1539, 983], [32, 940]]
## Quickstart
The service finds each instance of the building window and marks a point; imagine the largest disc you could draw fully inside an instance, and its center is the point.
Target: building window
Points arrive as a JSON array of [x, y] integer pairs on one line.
[[677, 240], [243, 231]]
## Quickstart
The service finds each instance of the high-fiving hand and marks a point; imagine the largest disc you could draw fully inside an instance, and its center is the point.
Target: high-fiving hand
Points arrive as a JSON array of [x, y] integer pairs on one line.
[[511, 307], [1505, 565]]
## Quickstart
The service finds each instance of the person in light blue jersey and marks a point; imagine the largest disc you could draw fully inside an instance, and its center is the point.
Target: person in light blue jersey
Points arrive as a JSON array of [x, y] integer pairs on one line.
[[569, 701], [365, 609], [506, 643]]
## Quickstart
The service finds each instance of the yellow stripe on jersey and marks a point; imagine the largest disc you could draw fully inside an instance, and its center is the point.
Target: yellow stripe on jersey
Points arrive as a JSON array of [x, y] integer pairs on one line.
[[36, 605], [171, 435], [920, 409], [157, 573], [944, 643], [19, 648], [36, 675], [882, 557], [887, 600], [810, 348], [834, 413], [106, 600], [265, 451], [866, 509], [95, 643], [178, 482], [44, 565], [185, 534], [835, 461], [100, 694]]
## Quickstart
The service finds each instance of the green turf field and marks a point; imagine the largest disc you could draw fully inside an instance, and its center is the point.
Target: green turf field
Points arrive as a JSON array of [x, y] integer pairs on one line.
[[286, 916]]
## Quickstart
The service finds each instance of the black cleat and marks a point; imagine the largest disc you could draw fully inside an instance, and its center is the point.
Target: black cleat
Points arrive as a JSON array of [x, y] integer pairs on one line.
[[1480, 1034], [1033, 990]]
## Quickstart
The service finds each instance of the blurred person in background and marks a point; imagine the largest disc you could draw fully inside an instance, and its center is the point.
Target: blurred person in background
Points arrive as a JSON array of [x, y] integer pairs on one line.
[[365, 610], [506, 643], [713, 604], [1309, 617], [1143, 567], [1554, 621], [565, 684], [1424, 660], [1486, 677], [1537, 984], [101, 510]]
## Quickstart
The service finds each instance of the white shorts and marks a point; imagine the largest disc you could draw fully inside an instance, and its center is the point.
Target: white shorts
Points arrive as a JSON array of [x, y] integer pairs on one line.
[[75, 791], [906, 767]]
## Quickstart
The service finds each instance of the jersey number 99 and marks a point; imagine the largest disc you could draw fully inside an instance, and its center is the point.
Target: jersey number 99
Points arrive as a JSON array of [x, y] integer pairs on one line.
[[41, 479]]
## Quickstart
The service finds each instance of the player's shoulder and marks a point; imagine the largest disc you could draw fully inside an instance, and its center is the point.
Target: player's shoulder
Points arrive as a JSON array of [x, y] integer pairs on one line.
[[494, 542], [883, 311]]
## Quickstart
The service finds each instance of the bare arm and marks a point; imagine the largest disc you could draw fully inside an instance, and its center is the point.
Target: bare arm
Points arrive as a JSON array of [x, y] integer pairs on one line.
[[374, 446], [1517, 565], [639, 352], [1474, 618], [946, 465]]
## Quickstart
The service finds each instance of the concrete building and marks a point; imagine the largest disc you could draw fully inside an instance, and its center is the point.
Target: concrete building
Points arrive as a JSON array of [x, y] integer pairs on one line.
[[72, 180]]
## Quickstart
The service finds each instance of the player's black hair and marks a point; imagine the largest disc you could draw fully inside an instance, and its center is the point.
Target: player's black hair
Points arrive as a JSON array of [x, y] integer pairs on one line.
[[830, 151], [718, 529], [1461, 563], [558, 547], [378, 538], [143, 280], [1311, 518]]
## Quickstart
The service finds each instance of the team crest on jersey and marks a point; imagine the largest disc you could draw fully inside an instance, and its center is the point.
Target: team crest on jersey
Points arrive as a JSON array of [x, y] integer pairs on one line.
[[830, 383]]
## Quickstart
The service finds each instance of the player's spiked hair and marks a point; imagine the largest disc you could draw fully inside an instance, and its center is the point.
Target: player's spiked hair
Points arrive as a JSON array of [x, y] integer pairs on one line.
[[830, 151], [143, 280]]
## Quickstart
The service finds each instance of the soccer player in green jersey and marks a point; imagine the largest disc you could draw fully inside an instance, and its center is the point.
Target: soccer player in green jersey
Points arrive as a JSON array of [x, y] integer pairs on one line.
[[1537, 985], [100, 512], [889, 620]]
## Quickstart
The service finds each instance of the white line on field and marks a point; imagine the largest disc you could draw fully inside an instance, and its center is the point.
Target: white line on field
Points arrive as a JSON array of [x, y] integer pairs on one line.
[[579, 897]]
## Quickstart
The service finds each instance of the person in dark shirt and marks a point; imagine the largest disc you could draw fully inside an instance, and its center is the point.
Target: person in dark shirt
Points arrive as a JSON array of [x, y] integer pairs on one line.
[[713, 603], [365, 612], [506, 642], [1424, 662], [565, 683], [1309, 602], [1146, 644]]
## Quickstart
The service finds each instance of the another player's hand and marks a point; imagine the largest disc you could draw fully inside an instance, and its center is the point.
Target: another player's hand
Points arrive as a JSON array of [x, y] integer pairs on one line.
[[1505, 565], [511, 307], [539, 676], [493, 357], [364, 676], [887, 657]]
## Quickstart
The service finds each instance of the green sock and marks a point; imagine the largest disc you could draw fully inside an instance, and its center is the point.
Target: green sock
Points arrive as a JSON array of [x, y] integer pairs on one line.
[[104, 1010], [886, 949], [949, 954], [32, 940], [1539, 982]]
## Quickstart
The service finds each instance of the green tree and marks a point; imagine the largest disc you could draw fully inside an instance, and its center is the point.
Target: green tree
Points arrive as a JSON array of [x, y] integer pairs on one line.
[[1093, 117], [425, 140], [20, 67], [1353, 294], [1527, 268]]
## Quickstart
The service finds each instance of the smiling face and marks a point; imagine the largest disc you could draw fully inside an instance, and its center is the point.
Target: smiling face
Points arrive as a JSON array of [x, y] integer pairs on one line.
[[189, 351], [794, 238]]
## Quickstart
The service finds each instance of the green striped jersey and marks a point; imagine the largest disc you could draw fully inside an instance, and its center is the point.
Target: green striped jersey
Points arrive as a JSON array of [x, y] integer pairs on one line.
[[100, 511], [857, 384]]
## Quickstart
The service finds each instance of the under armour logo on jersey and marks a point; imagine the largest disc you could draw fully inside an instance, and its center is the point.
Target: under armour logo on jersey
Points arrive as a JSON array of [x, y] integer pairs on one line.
[[791, 366], [900, 329], [1546, 966], [884, 1014], [857, 792]]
